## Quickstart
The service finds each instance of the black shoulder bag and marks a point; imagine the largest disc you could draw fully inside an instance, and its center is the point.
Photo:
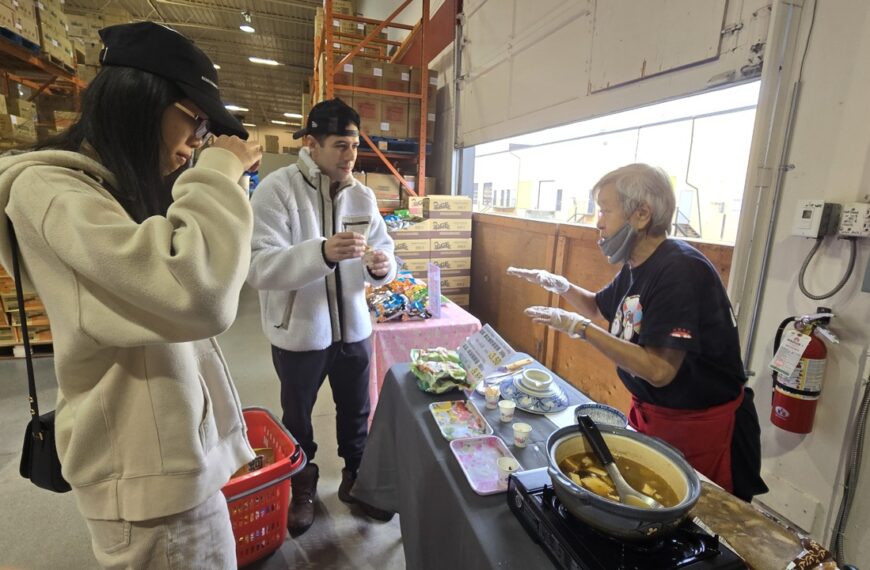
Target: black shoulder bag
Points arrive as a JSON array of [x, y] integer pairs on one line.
[[39, 460]]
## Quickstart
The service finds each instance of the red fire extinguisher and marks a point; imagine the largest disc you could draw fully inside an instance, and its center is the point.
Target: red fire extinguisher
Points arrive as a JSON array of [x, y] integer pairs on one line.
[[793, 405]]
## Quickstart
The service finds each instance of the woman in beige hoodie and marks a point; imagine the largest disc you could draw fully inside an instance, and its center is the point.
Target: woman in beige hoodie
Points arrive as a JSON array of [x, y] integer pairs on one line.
[[139, 260]]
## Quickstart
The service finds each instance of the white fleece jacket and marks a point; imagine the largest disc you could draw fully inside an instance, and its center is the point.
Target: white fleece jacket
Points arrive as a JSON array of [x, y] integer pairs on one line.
[[305, 304], [148, 421]]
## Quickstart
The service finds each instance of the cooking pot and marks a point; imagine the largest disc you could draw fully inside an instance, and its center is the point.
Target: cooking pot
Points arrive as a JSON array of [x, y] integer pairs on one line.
[[614, 518]]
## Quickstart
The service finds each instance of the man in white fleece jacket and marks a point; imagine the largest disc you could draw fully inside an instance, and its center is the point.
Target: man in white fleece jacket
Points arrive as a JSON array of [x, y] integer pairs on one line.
[[318, 238]]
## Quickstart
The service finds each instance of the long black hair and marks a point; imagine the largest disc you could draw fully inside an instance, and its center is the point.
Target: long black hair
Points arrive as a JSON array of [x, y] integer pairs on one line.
[[122, 114]]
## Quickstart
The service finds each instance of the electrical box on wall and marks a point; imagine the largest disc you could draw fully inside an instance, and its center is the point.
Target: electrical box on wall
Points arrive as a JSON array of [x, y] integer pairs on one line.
[[855, 220], [815, 218]]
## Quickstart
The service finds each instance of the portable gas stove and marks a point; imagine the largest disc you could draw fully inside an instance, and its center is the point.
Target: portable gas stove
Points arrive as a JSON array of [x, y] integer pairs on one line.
[[572, 544]]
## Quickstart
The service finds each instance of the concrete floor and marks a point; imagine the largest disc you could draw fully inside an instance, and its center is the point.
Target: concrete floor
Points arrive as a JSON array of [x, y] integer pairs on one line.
[[42, 530]]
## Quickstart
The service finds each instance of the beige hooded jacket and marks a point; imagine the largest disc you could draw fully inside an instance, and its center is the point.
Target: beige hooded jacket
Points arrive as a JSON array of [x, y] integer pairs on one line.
[[148, 420]]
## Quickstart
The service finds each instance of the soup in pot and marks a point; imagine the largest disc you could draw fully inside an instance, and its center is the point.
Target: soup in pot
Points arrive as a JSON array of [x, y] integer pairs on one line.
[[585, 470]]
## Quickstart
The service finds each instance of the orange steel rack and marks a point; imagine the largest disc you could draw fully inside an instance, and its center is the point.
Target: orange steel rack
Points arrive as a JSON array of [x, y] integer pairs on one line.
[[325, 42], [22, 66]]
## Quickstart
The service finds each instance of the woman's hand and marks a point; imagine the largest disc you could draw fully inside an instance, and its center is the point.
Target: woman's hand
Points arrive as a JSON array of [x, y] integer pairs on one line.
[[559, 319], [249, 153], [549, 281]]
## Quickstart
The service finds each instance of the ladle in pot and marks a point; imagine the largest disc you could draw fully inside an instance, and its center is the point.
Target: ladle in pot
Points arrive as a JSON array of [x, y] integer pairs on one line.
[[628, 495]]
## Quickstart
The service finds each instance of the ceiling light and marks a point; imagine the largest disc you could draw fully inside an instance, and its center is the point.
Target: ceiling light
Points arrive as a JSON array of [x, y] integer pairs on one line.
[[284, 123], [263, 61], [248, 125], [246, 24], [236, 108], [293, 115], [216, 66]]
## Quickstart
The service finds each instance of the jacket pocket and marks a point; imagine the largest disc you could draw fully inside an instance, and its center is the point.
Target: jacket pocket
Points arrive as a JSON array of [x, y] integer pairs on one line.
[[288, 310], [208, 433]]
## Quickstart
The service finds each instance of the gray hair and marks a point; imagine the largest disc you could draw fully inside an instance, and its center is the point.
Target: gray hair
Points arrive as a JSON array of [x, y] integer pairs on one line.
[[638, 184]]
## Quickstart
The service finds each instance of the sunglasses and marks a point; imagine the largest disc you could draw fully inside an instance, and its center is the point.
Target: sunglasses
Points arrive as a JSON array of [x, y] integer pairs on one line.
[[202, 126]]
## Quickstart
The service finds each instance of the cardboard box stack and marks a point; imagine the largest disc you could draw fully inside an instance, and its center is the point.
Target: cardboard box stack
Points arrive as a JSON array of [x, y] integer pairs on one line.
[[53, 33], [38, 327], [84, 33], [443, 238], [54, 114], [17, 120], [385, 187], [19, 17]]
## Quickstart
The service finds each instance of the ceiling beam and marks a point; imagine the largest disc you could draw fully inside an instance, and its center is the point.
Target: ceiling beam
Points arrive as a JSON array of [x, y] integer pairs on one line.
[[209, 7]]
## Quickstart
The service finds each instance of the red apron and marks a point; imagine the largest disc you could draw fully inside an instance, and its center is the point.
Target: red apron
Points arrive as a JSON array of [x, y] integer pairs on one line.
[[703, 436]]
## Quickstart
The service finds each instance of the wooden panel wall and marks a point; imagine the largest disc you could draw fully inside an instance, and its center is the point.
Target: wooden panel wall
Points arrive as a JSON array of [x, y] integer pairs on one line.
[[499, 242], [567, 249]]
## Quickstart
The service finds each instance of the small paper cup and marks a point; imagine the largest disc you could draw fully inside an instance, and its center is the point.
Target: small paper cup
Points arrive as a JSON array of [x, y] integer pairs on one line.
[[492, 394], [522, 432], [506, 410], [506, 466]]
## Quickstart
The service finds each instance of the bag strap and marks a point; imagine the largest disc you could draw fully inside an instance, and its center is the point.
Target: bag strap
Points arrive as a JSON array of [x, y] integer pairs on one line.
[[19, 294]]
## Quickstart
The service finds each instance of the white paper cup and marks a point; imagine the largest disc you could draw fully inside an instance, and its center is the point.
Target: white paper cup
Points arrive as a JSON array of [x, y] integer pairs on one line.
[[492, 394], [506, 410], [522, 432], [506, 466]]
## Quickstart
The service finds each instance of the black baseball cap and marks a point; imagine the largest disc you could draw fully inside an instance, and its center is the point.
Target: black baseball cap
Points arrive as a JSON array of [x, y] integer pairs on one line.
[[331, 117], [166, 53]]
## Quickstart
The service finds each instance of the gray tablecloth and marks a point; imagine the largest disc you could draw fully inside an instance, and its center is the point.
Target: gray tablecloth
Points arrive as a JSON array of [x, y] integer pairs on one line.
[[408, 468]]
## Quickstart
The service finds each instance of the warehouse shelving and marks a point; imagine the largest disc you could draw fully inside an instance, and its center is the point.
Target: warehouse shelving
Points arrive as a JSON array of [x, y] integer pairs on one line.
[[21, 65], [325, 41]]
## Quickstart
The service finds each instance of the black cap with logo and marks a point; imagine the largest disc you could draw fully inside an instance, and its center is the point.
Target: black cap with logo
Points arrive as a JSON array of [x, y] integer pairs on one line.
[[331, 117], [166, 53]]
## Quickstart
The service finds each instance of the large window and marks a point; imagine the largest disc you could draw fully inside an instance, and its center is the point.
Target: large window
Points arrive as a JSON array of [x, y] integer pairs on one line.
[[701, 141]]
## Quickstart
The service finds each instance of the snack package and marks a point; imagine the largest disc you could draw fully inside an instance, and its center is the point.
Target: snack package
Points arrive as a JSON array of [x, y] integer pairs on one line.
[[404, 298], [438, 370]]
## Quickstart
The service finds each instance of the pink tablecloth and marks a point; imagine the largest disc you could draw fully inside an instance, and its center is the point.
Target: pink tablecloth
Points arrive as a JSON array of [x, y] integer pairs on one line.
[[392, 341]]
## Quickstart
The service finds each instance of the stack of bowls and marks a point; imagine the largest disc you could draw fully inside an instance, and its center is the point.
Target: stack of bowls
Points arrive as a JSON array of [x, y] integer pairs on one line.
[[535, 391]]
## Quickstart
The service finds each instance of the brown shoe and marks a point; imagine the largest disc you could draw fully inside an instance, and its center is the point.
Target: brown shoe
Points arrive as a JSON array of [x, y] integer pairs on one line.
[[344, 488], [348, 478], [303, 488]]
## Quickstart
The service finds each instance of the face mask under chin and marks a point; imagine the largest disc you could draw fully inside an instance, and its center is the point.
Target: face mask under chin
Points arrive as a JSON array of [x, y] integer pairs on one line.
[[617, 248]]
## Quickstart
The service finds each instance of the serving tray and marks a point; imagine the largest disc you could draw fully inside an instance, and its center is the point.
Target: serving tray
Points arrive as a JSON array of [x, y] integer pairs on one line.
[[478, 457], [458, 419]]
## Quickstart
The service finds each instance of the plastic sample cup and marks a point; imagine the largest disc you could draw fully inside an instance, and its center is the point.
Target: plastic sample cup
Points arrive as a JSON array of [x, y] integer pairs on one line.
[[506, 466], [492, 394], [506, 410], [522, 432]]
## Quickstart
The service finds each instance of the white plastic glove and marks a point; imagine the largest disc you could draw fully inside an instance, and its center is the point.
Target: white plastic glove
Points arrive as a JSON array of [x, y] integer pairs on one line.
[[564, 321], [549, 281]]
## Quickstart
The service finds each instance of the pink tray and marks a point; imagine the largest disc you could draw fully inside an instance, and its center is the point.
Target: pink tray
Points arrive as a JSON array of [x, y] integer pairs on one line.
[[478, 457]]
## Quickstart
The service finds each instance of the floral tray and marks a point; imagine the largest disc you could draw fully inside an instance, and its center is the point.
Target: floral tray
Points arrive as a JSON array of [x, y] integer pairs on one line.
[[458, 419], [478, 457]]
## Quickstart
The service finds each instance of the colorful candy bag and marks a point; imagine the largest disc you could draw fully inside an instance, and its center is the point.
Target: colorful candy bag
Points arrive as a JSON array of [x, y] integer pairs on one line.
[[403, 298], [438, 370]]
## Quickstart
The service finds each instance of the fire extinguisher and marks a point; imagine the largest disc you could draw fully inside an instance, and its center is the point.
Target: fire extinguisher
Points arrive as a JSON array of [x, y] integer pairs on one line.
[[793, 405]]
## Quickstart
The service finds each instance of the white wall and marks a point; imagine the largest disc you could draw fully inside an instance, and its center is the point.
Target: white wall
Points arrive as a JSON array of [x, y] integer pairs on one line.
[[531, 65], [830, 151], [537, 64]]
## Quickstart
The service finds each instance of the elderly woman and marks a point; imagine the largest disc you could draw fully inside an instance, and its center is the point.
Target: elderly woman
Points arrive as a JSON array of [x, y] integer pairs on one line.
[[673, 336]]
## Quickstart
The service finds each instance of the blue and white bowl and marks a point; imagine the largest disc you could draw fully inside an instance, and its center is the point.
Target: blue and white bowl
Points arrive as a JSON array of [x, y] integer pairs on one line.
[[602, 414], [550, 401]]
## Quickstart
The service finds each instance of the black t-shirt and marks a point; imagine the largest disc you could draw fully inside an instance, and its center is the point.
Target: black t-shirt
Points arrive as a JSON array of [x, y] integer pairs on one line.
[[675, 299]]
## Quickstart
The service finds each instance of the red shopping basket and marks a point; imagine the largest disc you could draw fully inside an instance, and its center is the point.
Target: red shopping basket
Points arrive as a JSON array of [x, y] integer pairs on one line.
[[258, 501]]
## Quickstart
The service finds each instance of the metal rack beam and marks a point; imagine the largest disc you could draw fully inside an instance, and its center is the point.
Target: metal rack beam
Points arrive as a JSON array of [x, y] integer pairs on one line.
[[324, 44]]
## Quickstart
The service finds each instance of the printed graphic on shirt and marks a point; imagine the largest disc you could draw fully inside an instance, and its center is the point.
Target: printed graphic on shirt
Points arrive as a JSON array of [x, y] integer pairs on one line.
[[627, 321], [681, 333]]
